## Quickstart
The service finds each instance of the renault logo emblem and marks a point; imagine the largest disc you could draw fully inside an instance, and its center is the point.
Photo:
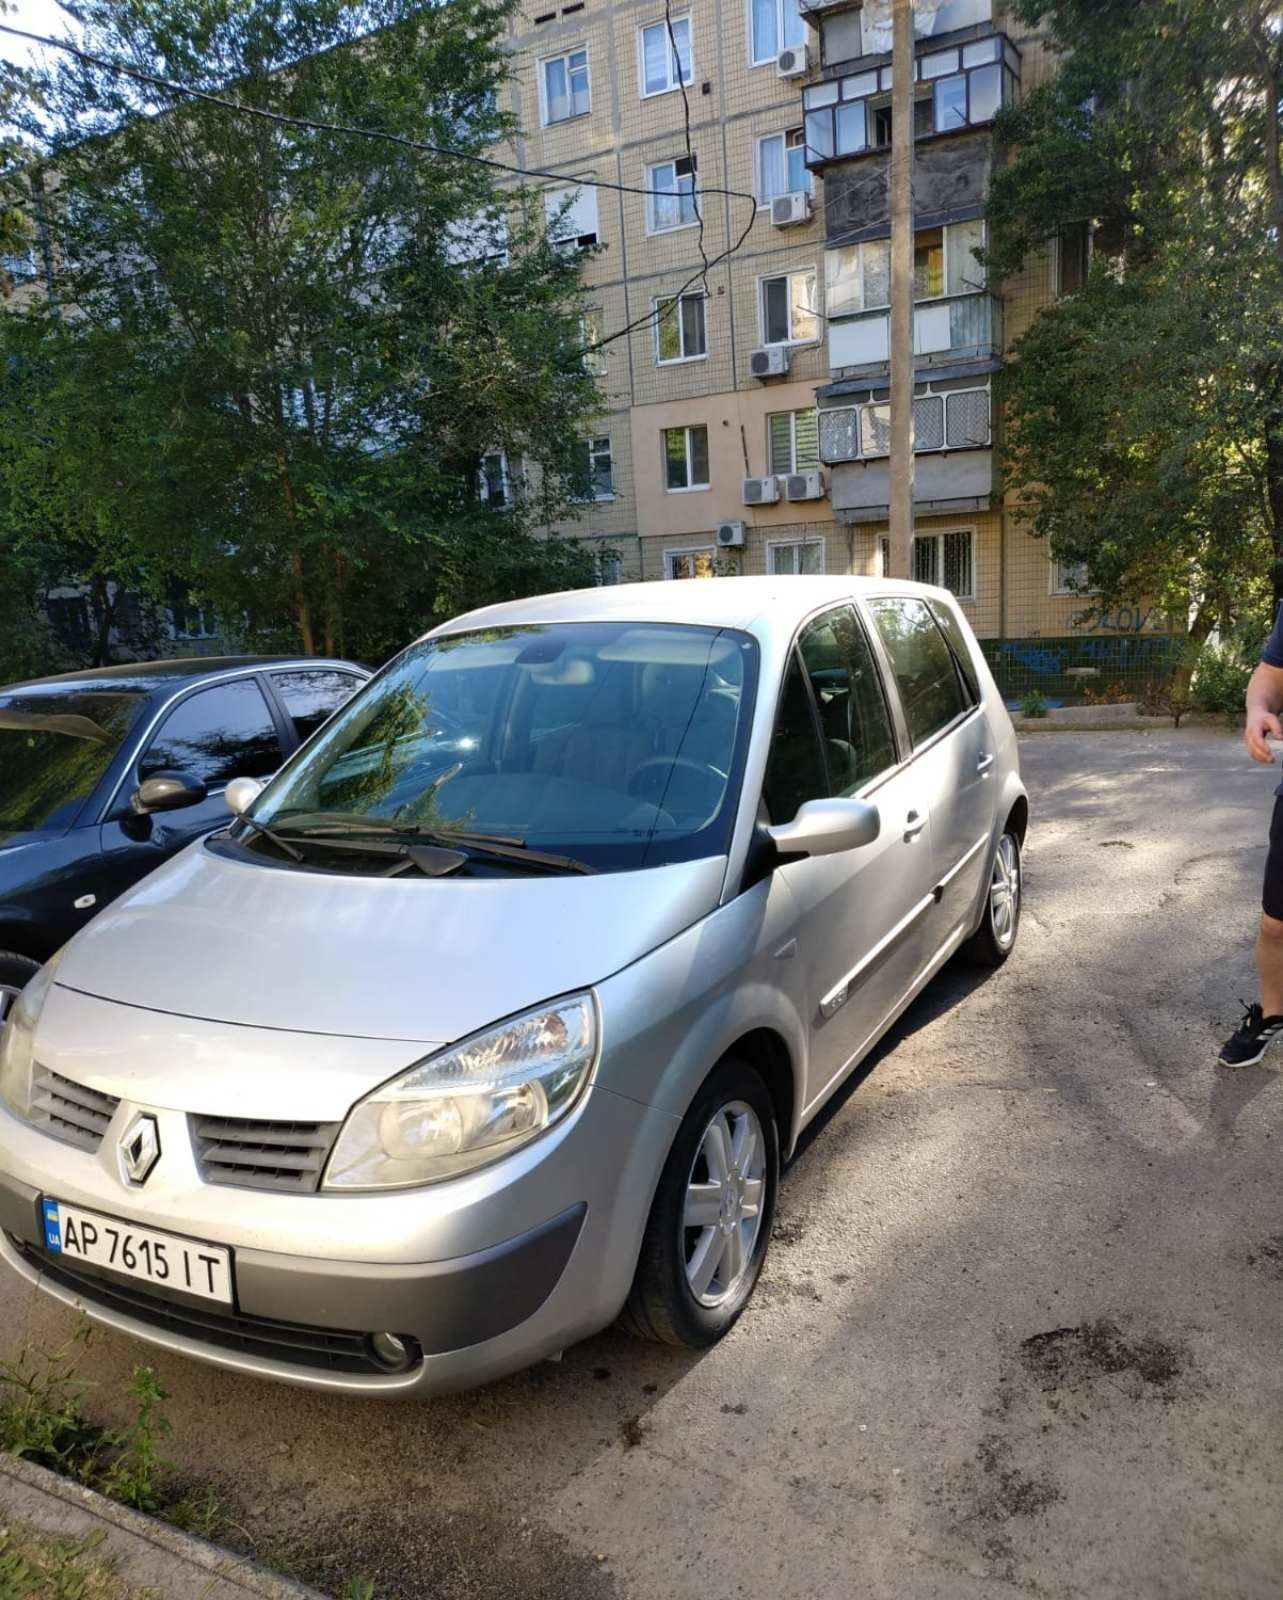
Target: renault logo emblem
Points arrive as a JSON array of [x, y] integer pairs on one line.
[[139, 1148]]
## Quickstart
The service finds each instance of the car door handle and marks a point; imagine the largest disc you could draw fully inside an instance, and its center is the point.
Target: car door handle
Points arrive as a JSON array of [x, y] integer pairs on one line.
[[984, 763], [913, 825]]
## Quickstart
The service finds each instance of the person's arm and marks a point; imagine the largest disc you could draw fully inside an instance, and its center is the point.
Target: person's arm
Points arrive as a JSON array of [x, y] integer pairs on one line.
[[1264, 703]]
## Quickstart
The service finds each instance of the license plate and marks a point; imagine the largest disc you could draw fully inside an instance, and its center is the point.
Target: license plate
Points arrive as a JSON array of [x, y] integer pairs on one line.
[[159, 1258]]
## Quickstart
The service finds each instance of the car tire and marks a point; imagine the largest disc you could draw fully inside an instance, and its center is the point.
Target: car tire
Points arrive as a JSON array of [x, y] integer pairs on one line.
[[995, 938], [667, 1303], [15, 973]]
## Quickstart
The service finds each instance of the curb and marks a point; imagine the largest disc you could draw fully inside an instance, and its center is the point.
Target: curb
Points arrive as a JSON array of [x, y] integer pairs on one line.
[[1116, 719], [146, 1553]]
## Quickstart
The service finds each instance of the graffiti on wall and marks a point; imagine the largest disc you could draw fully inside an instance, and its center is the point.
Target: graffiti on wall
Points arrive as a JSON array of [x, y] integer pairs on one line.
[[1124, 619], [1117, 652]]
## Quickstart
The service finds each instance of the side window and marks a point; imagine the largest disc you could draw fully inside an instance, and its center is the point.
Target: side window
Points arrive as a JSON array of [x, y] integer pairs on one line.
[[956, 634], [856, 724], [217, 734], [311, 698], [930, 688], [795, 768]]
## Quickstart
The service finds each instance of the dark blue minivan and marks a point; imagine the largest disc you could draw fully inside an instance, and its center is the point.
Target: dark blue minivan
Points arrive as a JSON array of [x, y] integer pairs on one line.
[[106, 773]]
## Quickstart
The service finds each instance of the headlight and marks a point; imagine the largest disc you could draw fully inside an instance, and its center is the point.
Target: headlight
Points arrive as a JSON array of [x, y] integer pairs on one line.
[[18, 1036], [472, 1103]]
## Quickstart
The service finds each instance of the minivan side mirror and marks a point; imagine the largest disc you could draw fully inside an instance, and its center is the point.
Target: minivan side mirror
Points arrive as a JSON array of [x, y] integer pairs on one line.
[[826, 827], [241, 793], [167, 791]]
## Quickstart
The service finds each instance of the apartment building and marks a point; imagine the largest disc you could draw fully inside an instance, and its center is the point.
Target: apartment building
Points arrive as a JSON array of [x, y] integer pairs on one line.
[[748, 431]]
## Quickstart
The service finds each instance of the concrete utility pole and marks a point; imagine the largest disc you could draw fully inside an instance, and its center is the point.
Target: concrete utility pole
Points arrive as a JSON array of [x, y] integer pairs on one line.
[[901, 289]]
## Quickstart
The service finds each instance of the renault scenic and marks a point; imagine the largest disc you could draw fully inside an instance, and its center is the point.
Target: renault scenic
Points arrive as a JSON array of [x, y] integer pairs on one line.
[[451, 1048]]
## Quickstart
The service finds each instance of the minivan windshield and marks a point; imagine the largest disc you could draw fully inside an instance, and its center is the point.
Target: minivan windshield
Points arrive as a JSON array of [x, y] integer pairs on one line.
[[617, 744], [55, 746]]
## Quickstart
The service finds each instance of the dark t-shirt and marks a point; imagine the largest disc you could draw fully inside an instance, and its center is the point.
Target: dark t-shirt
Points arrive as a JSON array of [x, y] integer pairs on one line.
[[1272, 655]]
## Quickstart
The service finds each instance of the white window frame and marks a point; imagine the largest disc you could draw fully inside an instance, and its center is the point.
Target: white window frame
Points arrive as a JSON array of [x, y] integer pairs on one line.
[[593, 497], [687, 488], [544, 62], [766, 61], [1056, 585], [653, 194], [674, 83], [602, 561], [505, 472], [791, 544], [678, 361], [572, 197], [792, 414], [939, 535], [808, 183], [686, 550], [771, 277]]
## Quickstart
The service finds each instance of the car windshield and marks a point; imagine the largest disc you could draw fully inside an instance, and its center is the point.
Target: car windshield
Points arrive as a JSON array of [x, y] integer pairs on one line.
[[55, 746], [619, 744]]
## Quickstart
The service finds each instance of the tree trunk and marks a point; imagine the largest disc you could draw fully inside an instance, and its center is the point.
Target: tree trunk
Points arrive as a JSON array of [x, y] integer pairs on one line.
[[302, 607], [105, 608]]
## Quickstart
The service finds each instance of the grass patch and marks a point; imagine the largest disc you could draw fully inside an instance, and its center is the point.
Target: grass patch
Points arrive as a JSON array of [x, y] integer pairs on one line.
[[39, 1566]]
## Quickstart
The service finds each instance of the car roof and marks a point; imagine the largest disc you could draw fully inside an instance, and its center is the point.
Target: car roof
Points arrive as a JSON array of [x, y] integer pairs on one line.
[[152, 677], [754, 605]]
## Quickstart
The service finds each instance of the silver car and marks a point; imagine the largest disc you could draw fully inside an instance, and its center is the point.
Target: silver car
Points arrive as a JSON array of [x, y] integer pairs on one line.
[[447, 1051]]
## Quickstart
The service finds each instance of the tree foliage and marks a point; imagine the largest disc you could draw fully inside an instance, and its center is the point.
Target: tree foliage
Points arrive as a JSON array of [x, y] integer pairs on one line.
[[1145, 410], [270, 356]]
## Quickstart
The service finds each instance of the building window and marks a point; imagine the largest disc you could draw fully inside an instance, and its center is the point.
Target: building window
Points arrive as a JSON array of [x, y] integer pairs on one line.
[[685, 458], [1069, 577], [665, 59], [672, 195], [680, 331], [877, 130], [498, 489], [781, 166], [775, 25], [945, 559], [607, 568], [689, 564], [590, 331], [596, 469], [1073, 256], [563, 84], [804, 557], [792, 441], [187, 620], [788, 308], [571, 217], [478, 240], [884, 558]]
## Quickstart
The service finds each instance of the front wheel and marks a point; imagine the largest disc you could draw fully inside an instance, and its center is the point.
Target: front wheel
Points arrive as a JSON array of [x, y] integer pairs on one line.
[[995, 938], [710, 1224], [16, 972]]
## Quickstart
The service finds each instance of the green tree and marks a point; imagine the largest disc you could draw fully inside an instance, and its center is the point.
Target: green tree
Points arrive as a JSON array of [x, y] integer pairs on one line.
[[273, 356], [1145, 410]]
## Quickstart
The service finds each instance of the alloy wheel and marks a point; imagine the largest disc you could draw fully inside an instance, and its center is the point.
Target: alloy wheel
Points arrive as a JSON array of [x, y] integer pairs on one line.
[[1004, 892], [722, 1215]]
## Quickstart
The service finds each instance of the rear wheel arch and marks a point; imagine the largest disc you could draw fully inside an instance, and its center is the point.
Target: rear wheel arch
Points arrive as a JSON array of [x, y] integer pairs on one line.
[[1018, 819]]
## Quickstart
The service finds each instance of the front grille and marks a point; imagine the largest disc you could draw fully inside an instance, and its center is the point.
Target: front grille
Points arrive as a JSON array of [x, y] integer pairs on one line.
[[328, 1349], [69, 1111], [287, 1156]]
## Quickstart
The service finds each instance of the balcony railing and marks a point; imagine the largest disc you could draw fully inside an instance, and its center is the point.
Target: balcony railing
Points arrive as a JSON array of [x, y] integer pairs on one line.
[[958, 420], [963, 327]]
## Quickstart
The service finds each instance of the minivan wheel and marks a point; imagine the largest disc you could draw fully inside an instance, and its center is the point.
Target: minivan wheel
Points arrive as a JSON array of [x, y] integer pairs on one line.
[[15, 974], [995, 938], [710, 1224]]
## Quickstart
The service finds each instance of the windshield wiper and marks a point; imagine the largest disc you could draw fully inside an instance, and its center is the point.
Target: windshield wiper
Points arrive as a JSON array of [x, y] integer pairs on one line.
[[503, 847], [271, 835]]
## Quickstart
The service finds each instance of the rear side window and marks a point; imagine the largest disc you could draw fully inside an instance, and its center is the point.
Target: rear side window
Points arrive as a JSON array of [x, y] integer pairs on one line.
[[925, 671], [858, 742], [217, 734], [956, 634], [795, 770], [312, 697]]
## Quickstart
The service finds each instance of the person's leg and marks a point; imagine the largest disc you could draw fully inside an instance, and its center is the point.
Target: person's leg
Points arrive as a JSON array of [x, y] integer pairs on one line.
[[1262, 1023], [1269, 963]]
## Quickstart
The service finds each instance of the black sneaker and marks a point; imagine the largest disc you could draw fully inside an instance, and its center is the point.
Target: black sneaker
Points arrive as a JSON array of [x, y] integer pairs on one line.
[[1256, 1033]]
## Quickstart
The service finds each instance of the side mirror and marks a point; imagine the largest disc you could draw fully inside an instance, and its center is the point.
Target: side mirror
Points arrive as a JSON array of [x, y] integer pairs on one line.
[[167, 791], [826, 827], [241, 793]]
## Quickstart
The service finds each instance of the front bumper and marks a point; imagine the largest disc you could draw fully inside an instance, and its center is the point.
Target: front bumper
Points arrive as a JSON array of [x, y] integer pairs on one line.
[[480, 1275]]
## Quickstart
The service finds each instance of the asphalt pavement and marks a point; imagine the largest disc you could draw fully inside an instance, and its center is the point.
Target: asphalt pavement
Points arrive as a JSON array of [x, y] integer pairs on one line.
[[1021, 1327]]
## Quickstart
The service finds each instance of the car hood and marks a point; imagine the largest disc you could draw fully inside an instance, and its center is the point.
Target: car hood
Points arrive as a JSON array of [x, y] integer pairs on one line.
[[414, 959]]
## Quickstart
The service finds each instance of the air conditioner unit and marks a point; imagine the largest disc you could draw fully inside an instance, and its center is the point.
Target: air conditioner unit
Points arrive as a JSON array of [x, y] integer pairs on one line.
[[787, 210], [772, 362], [793, 62], [729, 535], [805, 486], [761, 491]]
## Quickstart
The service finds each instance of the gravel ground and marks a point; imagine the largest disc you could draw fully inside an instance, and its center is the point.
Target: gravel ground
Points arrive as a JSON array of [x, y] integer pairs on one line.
[[1020, 1327]]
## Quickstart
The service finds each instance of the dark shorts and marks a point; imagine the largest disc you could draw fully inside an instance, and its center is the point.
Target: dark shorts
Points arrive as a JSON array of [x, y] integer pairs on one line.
[[1272, 893]]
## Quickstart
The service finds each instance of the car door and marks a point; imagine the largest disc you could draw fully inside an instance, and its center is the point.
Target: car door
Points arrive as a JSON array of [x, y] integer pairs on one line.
[[859, 913], [947, 727], [216, 733]]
